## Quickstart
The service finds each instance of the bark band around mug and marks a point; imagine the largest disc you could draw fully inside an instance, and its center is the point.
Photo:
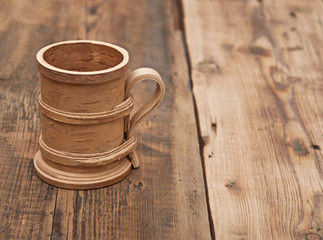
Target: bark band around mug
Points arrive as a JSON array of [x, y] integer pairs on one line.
[[76, 159], [87, 135]]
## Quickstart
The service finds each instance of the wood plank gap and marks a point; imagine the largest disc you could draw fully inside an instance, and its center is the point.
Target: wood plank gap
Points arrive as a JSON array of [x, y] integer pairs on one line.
[[201, 145], [197, 120], [54, 213]]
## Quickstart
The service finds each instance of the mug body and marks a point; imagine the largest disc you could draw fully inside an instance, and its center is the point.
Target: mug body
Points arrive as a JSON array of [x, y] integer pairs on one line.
[[82, 76], [81, 83], [87, 137]]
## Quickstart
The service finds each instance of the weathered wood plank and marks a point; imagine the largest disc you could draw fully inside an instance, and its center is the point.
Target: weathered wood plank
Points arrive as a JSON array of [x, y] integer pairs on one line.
[[26, 204], [257, 80], [165, 197]]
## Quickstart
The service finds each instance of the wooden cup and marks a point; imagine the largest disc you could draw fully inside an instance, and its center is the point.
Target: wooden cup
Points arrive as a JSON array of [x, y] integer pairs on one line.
[[87, 135]]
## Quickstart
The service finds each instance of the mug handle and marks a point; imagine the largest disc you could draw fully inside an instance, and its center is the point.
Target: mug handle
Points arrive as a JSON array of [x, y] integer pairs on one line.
[[136, 76]]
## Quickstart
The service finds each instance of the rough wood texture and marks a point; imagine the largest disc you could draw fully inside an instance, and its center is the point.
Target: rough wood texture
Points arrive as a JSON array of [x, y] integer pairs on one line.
[[257, 80], [165, 197]]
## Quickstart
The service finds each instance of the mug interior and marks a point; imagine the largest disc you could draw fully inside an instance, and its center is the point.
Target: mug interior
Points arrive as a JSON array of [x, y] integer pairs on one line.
[[83, 56]]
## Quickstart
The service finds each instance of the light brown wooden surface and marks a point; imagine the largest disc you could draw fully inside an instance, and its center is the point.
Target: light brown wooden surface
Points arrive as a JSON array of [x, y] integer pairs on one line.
[[258, 85], [256, 71], [165, 198]]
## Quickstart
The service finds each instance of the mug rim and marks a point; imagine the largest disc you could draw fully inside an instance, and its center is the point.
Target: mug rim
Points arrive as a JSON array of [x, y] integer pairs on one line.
[[42, 62]]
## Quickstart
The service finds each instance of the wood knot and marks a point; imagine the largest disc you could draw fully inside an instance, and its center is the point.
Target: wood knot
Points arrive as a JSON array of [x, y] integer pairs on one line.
[[292, 14], [255, 50], [214, 127], [313, 236], [138, 186], [208, 66], [231, 185], [259, 51], [316, 147], [299, 147]]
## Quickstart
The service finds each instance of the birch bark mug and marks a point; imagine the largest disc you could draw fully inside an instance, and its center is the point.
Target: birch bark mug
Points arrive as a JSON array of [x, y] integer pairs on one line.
[[87, 139]]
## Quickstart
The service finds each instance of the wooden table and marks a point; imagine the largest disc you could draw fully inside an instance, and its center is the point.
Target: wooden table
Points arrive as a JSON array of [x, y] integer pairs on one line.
[[234, 151]]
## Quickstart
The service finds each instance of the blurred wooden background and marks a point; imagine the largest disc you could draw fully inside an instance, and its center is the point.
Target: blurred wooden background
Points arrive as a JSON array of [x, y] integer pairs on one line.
[[233, 152]]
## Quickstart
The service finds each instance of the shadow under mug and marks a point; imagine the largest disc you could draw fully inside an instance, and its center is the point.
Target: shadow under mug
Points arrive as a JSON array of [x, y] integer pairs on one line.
[[87, 135]]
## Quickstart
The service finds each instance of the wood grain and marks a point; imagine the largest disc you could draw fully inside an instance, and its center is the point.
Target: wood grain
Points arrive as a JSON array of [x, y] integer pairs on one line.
[[258, 84], [165, 197]]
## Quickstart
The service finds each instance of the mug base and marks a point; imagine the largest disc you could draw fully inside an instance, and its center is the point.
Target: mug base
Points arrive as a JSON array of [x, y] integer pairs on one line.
[[81, 177]]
